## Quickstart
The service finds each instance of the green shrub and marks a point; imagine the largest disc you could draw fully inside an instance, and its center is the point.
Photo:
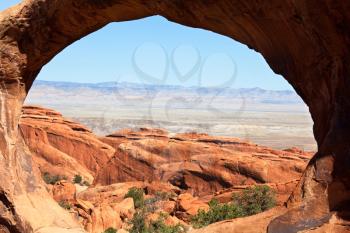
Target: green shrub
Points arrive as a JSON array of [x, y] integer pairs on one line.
[[159, 226], [150, 205], [110, 230], [217, 212], [255, 199], [77, 179], [137, 195], [251, 201], [139, 225], [52, 179], [164, 195], [65, 205]]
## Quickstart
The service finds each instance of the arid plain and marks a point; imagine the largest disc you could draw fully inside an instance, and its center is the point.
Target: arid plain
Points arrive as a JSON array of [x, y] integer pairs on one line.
[[278, 119]]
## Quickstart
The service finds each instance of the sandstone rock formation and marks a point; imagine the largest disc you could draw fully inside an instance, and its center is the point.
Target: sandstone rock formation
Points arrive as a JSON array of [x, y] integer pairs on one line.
[[99, 208], [252, 224], [206, 166], [62, 147], [63, 191], [259, 224], [198, 163], [190, 206], [282, 192], [305, 41]]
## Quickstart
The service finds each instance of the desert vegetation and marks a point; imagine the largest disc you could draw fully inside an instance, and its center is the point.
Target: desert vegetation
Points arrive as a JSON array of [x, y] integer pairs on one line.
[[123, 201], [110, 230], [52, 179], [139, 225], [137, 195], [65, 204], [77, 179], [251, 201]]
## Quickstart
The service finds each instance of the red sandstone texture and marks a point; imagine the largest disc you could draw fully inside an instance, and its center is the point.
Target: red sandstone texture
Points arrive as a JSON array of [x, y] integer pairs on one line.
[[62, 147], [193, 168], [198, 163]]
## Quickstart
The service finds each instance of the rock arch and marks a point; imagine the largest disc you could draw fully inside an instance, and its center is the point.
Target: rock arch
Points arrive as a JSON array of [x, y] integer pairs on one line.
[[307, 41]]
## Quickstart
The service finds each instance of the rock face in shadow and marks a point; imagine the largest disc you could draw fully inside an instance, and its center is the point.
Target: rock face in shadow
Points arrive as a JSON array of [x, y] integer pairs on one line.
[[199, 163], [305, 41]]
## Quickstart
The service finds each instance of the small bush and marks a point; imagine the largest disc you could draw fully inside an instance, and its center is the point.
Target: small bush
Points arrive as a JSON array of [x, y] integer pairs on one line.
[[137, 195], [65, 205], [150, 204], [139, 225], [217, 212], [159, 226], [52, 179], [255, 199], [77, 179], [251, 201], [164, 195], [110, 230]]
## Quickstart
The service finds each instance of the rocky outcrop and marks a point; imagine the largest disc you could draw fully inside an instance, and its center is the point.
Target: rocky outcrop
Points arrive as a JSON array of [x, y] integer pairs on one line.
[[99, 208], [62, 147], [189, 206], [282, 192], [305, 41], [198, 163], [252, 224], [64, 191], [206, 166], [259, 224]]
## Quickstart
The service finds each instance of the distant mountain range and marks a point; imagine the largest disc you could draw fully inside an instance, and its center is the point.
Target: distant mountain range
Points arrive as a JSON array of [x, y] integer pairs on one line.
[[252, 94]]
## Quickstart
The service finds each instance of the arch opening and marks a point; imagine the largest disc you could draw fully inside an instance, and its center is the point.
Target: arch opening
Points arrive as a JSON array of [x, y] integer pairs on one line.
[[174, 103]]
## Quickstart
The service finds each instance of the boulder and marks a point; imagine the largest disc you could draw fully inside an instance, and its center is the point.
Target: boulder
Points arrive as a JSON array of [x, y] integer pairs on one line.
[[190, 205], [64, 191], [125, 208], [102, 218]]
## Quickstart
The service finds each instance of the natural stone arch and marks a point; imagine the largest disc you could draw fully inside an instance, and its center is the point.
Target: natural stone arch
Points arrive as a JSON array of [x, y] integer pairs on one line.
[[307, 41]]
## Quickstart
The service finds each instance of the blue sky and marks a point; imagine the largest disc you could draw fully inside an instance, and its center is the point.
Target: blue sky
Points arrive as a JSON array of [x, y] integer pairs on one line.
[[154, 50]]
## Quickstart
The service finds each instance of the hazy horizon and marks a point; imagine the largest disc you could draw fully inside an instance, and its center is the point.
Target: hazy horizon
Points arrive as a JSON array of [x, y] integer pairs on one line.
[[146, 84], [277, 119]]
